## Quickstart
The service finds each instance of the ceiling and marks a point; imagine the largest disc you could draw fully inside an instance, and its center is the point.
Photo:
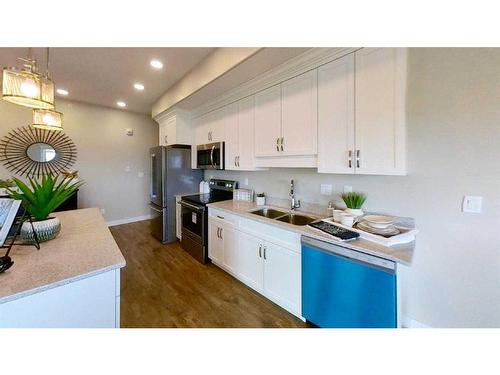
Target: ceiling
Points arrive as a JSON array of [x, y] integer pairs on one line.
[[104, 76]]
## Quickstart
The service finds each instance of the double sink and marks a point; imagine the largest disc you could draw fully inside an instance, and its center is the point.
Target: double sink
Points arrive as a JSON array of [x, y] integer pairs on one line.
[[285, 217]]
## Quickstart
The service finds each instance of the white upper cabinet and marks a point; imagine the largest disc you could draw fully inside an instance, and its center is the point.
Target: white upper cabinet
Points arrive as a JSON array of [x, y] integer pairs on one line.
[[336, 116], [239, 133], [380, 111], [361, 113], [210, 127], [299, 108], [232, 137], [175, 128], [268, 121]]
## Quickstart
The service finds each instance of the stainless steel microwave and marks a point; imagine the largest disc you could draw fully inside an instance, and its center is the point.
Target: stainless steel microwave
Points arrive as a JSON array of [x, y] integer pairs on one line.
[[210, 156]]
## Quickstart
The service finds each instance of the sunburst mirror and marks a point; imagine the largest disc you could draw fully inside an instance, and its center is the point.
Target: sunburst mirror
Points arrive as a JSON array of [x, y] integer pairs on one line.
[[32, 152]]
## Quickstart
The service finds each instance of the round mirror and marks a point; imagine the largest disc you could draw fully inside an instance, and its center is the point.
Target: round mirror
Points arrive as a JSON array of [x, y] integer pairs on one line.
[[41, 152]]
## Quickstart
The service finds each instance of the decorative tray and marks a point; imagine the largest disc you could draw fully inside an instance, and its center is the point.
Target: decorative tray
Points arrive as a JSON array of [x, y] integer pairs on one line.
[[405, 235]]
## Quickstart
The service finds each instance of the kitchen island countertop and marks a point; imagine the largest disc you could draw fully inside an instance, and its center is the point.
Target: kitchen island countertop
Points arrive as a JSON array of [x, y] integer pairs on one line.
[[84, 248]]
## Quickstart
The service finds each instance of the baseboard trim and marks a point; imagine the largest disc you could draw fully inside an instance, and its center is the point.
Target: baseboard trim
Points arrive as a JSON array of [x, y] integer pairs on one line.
[[412, 323], [129, 220]]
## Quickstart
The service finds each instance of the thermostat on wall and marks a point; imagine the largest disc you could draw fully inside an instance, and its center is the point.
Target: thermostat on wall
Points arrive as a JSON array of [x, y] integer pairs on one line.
[[129, 132]]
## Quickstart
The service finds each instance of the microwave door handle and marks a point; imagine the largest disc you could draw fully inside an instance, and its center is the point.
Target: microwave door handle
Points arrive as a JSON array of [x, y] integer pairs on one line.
[[212, 157]]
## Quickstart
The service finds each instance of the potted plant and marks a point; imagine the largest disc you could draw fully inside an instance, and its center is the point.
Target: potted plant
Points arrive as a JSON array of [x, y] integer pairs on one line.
[[354, 201], [40, 201], [261, 199]]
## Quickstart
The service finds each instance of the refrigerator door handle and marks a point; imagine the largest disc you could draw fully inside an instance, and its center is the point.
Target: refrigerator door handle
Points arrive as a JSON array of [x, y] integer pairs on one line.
[[155, 209], [152, 194]]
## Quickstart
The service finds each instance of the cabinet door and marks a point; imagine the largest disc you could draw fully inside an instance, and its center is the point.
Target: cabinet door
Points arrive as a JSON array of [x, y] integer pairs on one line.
[[282, 276], [217, 125], [299, 98], [336, 116], [246, 123], [232, 137], [215, 243], [162, 128], [380, 111], [250, 250], [201, 129], [171, 131], [267, 121], [230, 246]]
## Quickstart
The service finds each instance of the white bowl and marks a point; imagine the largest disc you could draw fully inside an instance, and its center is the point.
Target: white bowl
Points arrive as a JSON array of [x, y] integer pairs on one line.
[[379, 221]]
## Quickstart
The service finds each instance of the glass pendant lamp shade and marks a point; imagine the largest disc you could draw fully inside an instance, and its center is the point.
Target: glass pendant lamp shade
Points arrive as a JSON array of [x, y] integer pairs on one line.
[[27, 88], [47, 119]]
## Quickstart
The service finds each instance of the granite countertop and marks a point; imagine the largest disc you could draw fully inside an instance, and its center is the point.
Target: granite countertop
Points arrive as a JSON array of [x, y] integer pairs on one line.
[[399, 253], [84, 248]]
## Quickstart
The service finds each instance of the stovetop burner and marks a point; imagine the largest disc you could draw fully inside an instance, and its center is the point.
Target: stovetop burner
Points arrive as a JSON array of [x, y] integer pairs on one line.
[[204, 199]]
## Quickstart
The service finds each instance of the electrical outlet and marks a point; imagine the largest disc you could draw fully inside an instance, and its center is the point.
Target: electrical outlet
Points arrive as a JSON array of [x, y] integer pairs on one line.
[[347, 189], [326, 189], [245, 183], [129, 132], [472, 204]]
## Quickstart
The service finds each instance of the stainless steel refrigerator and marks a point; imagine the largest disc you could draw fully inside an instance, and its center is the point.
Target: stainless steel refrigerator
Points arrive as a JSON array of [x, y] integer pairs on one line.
[[171, 174]]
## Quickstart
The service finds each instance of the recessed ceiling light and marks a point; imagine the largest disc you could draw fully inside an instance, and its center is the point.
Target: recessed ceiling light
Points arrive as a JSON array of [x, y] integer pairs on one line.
[[62, 92], [139, 86], [157, 64], [121, 104]]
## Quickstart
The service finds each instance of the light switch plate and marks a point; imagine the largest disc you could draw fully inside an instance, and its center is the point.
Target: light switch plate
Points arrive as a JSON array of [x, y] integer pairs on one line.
[[472, 204], [347, 189], [326, 189]]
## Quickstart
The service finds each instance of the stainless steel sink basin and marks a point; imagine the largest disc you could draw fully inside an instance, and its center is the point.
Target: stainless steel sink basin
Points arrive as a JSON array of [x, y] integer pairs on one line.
[[296, 219], [269, 213]]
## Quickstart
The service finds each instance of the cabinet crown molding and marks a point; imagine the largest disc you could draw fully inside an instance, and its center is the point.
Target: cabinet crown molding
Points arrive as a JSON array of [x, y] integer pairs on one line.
[[309, 60], [171, 113]]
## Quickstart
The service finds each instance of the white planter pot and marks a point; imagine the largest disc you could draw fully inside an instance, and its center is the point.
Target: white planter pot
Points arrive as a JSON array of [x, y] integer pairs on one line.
[[355, 211], [260, 201], [45, 230]]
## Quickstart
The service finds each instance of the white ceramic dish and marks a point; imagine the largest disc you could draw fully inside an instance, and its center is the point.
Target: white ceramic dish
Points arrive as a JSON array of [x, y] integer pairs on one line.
[[379, 221], [388, 231]]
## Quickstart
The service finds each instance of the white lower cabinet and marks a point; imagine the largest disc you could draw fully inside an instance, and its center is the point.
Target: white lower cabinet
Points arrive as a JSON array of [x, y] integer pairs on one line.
[[282, 276], [270, 269]]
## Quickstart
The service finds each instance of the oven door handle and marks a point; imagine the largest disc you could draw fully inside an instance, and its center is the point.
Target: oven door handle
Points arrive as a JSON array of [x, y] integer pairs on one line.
[[212, 157], [192, 206]]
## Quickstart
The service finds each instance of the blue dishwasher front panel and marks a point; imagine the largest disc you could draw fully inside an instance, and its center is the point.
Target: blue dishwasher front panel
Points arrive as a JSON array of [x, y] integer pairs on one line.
[[340, 291]]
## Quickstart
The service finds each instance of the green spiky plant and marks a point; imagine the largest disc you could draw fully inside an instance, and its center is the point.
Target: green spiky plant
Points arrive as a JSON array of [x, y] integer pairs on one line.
[[45, 195], [354, 200]]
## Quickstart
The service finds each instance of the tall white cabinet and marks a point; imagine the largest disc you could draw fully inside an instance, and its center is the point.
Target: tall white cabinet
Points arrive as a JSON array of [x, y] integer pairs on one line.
[[361, 113], [175, 128], [268, 122]]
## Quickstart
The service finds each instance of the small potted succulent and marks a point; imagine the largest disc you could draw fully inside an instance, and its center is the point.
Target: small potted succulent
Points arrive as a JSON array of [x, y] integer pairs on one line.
[[354, 201], [40, 201], [260, 199]]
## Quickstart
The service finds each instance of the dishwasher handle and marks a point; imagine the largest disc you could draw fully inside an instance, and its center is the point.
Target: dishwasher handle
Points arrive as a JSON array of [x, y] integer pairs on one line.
[[356, 256]]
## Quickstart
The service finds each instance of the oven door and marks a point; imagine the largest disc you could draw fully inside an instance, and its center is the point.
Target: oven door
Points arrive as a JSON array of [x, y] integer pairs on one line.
[[210, 156], [194, 231]]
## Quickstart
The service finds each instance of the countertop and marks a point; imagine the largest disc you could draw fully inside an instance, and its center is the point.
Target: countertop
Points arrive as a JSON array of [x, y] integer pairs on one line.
[[399, 253], [83, 248]]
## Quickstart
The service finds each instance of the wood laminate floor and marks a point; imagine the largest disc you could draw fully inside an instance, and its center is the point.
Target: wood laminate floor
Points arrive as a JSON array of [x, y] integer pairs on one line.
[[163, 286]]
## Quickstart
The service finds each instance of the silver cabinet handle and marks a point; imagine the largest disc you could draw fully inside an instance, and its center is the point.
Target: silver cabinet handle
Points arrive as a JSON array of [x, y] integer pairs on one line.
[[221, 233], [260, 251], [218, 232], [166, 139], [277, 144], [220, 217], [282, 141], [238, 160], [357, 158], [235, 161], [350, 159], [265, 247]]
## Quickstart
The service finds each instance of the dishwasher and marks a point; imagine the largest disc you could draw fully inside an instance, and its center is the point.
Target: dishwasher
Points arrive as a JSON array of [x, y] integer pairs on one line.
[[343, 288]]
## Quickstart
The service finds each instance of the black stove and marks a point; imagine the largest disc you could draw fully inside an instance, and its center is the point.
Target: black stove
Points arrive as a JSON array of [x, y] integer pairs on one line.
[[194, 214], [204, 199]]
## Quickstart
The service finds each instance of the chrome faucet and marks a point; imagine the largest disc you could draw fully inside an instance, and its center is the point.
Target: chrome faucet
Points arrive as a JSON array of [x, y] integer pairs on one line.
[[293, 204]]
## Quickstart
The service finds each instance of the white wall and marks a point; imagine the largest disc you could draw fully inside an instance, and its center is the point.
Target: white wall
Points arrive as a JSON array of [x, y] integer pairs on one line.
[[104, 151], [453, 134]]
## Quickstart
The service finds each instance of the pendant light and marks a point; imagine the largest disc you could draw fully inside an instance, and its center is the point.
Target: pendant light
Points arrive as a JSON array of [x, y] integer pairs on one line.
[[48, 119], [26, 86]]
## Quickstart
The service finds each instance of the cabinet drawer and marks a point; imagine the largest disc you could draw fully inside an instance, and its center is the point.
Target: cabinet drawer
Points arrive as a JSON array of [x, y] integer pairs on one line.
[[270, 233], [223, 216]]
